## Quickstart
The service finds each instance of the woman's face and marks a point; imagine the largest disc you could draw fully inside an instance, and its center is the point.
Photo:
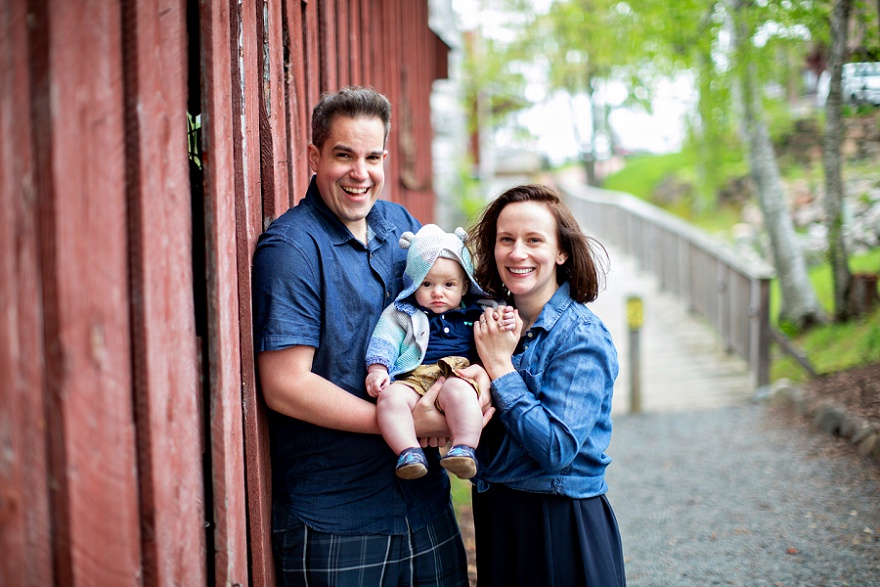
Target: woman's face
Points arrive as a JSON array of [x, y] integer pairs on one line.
[[527, 251]]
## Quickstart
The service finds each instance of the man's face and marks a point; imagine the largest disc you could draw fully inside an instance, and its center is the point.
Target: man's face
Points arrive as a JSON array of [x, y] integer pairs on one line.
[[349, 168]]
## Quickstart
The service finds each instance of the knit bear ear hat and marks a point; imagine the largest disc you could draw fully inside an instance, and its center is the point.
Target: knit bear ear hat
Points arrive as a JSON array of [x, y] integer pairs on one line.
[[426, 246]]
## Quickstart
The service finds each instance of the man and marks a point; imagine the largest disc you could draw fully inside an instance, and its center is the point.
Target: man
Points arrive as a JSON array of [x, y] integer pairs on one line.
[[323, 273]]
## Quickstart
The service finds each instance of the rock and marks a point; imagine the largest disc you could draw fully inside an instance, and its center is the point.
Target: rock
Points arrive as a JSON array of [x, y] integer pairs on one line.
[[865, 430], [849, 425], [828, 418], [866, 446]]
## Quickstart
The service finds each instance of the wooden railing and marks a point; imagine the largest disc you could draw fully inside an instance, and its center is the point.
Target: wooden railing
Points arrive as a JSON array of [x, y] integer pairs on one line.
[[731, 293]]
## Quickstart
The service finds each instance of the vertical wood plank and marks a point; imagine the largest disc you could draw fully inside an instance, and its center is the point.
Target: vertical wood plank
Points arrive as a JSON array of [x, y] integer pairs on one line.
[[343, 46], [77, 113], [166, 381], [219, 45], [298, 113], [414, 110], [268, 91], [407, 121], [371, 48], [391, 53], [355, 51], [312, 56], [424, 131], [25, 538], [328, 46], [440, 58], [260, 104], [422, 88]]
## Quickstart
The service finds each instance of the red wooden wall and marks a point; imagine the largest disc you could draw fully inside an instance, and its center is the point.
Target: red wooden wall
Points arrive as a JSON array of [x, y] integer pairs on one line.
[[133, 445]]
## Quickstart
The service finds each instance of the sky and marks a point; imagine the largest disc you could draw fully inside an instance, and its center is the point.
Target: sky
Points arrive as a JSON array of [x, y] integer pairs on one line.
[[553, 120]]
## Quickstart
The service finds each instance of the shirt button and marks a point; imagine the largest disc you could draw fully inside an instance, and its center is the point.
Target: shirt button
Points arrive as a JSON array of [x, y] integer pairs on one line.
[[525, 347], [446, 330], [529, 334]]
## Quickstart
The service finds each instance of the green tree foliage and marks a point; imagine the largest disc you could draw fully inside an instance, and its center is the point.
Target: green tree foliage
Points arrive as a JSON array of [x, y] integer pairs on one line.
[[583, 44], [491, 82]]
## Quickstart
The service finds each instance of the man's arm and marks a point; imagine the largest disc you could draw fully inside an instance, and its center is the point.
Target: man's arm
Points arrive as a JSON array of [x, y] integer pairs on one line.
[[290, 387]]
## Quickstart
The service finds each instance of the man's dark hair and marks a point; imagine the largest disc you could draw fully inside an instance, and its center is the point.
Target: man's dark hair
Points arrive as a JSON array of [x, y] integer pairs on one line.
[[350, 101]]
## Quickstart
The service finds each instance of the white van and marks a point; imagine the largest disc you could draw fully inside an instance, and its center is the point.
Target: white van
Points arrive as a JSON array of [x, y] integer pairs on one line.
[[861, 83]]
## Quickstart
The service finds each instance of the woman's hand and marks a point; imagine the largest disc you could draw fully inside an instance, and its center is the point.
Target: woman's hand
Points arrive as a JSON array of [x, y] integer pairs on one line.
[[506, 318], [496, 341]]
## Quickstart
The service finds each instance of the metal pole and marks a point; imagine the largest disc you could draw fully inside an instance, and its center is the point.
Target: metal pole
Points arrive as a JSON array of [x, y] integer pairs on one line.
[[634, 319]]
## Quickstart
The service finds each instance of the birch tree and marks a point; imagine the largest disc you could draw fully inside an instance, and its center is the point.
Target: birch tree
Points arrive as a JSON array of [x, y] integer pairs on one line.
[[799, 305]]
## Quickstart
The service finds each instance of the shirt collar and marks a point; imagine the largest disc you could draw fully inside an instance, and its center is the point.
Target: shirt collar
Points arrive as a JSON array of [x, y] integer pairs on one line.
[[554, 308], [377, 225]]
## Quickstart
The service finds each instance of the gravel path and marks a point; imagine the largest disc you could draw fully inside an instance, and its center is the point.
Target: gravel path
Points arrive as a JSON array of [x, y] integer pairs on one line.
[[742, 496]]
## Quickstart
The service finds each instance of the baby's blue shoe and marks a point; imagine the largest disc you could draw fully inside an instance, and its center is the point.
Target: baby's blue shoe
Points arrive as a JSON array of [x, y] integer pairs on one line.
[[460, 460], [412, 464]]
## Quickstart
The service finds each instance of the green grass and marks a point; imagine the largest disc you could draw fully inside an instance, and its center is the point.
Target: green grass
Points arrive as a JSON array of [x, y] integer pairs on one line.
[[718, 222], [643, 173], [461, 490], [831, 347], [461, 493]]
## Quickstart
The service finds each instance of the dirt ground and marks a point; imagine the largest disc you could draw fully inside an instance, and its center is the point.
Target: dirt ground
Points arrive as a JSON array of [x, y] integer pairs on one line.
[[466, 522], [856, 390]]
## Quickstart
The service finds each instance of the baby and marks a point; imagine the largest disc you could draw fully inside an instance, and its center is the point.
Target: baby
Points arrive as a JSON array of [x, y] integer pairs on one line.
[[426, 333]]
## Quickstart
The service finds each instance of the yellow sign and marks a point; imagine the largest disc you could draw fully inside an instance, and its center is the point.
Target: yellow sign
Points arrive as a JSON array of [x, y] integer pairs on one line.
[[634, 312]]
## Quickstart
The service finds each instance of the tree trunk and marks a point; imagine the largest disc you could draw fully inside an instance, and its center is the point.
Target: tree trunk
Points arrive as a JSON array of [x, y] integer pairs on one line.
[[800, 305], [707, 134], [832, 139], [591, 154]]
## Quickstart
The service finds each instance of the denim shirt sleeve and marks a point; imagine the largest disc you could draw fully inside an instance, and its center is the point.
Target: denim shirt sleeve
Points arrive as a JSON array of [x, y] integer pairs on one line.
[[552, 404], [287, 295]]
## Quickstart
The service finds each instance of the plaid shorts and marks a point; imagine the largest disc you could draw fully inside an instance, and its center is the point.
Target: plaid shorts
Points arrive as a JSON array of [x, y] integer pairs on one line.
[[433, 556]]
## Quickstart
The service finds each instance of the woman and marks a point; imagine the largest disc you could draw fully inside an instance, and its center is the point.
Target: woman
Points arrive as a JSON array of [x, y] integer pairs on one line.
[[540, 512]]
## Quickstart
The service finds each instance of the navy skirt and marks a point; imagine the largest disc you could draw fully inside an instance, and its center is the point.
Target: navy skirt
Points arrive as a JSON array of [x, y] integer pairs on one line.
[[533, 539]]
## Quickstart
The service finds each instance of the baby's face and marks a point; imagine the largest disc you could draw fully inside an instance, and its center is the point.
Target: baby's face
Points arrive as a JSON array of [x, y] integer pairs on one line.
[[443, 286]]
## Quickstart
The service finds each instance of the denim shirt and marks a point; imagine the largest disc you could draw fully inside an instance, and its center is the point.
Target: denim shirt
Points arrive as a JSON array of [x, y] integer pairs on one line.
[[314, 284], [556, 408]]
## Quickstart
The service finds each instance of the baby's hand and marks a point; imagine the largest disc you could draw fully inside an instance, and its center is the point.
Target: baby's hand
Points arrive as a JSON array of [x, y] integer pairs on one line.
[[507, 320], [376, 381]]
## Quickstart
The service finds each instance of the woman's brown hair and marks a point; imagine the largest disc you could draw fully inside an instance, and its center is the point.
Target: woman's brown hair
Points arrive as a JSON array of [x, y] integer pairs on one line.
[[584, 269]]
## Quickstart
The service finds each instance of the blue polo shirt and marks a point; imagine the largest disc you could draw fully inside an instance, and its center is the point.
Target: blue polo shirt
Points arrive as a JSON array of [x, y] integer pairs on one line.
[[314, 284], [452, 333]]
